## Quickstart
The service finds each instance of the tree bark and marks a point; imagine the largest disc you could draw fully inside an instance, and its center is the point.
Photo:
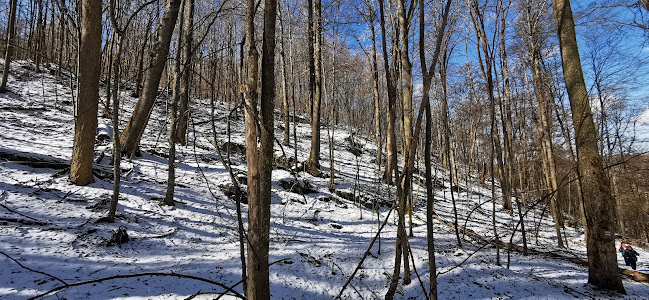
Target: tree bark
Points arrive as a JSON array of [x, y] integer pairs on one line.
[[117, 155], [173, 118], [85, 121], [392, 97], [282, 58], [314, 157], [130, 137], [375, 89], [599, 204], [185, 76], [11, 34], [259, 207]]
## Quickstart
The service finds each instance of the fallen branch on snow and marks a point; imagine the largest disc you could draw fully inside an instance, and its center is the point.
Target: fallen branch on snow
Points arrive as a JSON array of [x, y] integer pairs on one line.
[[32, 270], [67, 285]]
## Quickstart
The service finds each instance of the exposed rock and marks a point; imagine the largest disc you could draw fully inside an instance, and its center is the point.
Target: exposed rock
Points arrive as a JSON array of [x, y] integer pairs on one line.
[[284, 163], [301, 187], [229, 190], [119, 237], [337, 226], [234, 148]]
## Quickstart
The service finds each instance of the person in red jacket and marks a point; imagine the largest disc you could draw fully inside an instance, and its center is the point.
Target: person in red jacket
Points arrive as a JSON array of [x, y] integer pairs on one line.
[[622, 250]]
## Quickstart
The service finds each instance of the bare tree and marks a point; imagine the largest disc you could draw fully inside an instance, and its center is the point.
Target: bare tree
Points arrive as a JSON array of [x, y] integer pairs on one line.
[[185, 78], [313, 163], [260, 163], [133, 131], [85, 121], [541, 91], [596, 191], [11, 34]]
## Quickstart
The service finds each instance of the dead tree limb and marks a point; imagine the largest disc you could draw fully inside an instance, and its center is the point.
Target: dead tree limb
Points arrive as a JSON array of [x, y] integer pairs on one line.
[[32, 270], [67, 285]]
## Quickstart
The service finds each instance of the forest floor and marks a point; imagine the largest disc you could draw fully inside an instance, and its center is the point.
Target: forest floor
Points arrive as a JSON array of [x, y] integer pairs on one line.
[[49, 234]]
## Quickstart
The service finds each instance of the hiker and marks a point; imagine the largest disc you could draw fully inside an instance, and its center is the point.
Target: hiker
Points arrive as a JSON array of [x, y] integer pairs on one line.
[[622, 250], [631, 256]]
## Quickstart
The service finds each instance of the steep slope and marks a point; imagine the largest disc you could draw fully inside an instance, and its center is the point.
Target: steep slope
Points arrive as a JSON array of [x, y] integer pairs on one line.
[[49, 235]]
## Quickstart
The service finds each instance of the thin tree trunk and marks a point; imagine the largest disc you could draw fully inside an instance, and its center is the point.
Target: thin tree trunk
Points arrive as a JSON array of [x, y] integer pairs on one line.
[[133, 131], [39, 37], [483, 49], [256, 275], [282, 61], [173, 117], [11, 34], [543, 124], [506, 114], [185, 76], [392, 97], [332, 124], [140, 55], [117, 155], [314, 157], [375, 89]]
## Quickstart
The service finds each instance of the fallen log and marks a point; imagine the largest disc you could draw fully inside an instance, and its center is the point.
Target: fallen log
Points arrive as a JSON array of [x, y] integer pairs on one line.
[[33, 160]]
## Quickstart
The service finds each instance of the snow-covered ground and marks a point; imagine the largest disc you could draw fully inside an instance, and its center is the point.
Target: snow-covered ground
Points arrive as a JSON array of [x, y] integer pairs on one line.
[[49, 234]]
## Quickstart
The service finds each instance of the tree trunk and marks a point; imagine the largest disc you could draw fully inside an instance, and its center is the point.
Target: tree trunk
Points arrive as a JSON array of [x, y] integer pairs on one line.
[[85, 121], [259, 207], [39, 37], [486, 68], [186, 75], [406, 91], [11, 34], [133, 131], [506, 111], [599, 205], [140, 55], [282, 61], [543, 125], [173, 117], [377, 98], [391, 148], [332, 124], [117, 155], [314, 157], [430, 197], [447, 137], [256, 274]]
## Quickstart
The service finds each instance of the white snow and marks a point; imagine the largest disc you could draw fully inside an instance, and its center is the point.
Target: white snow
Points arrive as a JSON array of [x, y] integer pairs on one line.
[[312, 259]]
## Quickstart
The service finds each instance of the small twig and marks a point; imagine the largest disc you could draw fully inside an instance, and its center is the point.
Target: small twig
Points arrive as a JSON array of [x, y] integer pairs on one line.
[[414, 268], [232, 286], [342, 272], [279, 261], [30, 269], [67, 285], [24, 215], [462, 262]]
